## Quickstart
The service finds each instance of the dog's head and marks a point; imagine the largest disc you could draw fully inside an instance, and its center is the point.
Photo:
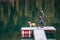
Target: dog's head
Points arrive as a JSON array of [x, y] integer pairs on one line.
[[29, 22]]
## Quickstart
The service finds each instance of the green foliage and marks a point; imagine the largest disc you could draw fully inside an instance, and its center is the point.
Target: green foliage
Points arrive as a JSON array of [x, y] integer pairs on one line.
[[27, 12]]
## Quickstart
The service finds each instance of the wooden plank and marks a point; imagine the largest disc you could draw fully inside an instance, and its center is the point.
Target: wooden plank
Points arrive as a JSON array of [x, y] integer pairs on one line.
[[45, 28], [39, 34]]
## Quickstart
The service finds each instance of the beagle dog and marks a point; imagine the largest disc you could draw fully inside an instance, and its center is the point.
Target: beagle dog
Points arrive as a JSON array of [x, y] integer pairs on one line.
[[31, 24]]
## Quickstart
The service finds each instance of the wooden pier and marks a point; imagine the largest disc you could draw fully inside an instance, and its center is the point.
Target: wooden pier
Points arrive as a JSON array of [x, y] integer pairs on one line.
[[39, 34]]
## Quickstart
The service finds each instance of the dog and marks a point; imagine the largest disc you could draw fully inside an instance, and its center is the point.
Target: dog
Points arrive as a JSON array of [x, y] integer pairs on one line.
[[31, 24]]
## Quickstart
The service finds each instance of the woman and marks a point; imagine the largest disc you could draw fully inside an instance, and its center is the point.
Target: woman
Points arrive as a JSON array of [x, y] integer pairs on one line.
[[41, 19]]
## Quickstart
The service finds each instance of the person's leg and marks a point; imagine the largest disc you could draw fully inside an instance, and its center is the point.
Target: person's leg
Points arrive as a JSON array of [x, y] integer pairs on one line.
[[41, 24]]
